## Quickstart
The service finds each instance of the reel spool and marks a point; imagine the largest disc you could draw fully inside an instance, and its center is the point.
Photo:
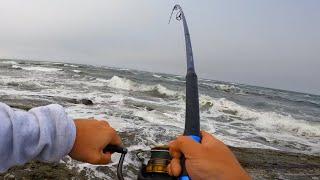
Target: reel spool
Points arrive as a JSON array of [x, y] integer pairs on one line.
[[156, 169], [160, 159]]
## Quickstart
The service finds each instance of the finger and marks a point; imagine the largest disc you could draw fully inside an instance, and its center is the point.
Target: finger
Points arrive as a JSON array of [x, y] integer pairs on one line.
[[186, 145], [173, 150], [105, 123], [111, 138], [105, 158], [169, 169], [115, 139], [175, 167], [99, 158], [208, 139]]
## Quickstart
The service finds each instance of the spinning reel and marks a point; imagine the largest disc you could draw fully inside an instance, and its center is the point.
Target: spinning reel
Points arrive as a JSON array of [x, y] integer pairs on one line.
[[156, 168]]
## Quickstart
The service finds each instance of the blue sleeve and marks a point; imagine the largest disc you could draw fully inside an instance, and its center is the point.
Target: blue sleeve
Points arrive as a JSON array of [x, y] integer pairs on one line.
[[44, 133]]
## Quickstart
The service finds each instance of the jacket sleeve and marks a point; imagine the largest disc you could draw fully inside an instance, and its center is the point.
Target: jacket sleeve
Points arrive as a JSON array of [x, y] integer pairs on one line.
[[43, 133]]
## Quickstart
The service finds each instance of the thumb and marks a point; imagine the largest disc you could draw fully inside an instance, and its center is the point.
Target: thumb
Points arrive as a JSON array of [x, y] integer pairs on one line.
[[174, 168], [185, 145], [209, 140]]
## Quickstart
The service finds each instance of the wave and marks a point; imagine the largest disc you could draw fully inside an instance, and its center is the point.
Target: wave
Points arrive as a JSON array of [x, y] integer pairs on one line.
[[37, 68], [21, 83], [15, 66], [129, 85], [228, 88], [70, 65], [305, 99], [57, 63], [156, 76], [8, 62], [76, 71], [268, 121], [225, 88]]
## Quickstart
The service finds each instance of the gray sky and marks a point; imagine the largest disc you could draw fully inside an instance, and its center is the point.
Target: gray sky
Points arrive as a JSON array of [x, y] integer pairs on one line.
[[268, 43]]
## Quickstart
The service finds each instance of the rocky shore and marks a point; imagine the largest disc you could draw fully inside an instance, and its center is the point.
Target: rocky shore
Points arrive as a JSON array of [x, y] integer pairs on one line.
[[260, 163]]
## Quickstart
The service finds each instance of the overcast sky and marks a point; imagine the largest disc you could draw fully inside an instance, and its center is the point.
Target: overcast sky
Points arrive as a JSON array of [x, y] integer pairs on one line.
[[269, 43]]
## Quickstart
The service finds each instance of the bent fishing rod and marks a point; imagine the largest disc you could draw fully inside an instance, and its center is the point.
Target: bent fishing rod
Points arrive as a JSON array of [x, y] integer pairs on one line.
[[156, 169]]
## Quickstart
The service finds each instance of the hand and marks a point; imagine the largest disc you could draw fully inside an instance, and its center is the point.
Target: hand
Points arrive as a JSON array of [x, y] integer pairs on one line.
[[209, 160], [91, 138]]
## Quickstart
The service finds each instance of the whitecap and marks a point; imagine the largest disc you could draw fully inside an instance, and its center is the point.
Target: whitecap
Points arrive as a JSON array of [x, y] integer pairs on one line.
[[70, 65], [227, 88], [8, 62], [15, 66], [39, 68], [129, 85], [156, 76], [269, 121]]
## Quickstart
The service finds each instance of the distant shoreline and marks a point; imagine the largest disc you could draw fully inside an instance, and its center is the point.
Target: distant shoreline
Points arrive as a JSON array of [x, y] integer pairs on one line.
[[141, 70]]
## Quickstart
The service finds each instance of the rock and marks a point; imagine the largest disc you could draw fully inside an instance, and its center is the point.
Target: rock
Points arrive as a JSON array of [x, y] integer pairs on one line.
[[230, 111], [37, 170], [259, 163], [204, 106], [86, 102], [23, 103], [149, 109], [8, 176], [27, 103], [271, 164]]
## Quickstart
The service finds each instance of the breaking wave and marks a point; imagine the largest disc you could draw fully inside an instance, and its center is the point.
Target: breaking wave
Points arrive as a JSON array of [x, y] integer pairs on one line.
[[224, 87], [76, 71], [21, 83], [156, 76], [8, 62], [228, 88], [269, 121], [37, 68], [70, 65], [129, 85]]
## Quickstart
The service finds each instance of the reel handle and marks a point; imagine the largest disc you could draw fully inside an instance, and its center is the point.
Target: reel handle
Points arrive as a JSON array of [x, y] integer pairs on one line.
[[184, 174], [115, 149]]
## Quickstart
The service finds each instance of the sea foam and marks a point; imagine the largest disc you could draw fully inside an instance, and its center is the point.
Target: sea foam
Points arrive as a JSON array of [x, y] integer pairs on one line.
[[8, 62], [36, 68], [270, 121], [129, 85]]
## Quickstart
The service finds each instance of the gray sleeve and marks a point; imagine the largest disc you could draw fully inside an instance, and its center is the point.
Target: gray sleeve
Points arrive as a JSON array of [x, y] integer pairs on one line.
[[43, 133]]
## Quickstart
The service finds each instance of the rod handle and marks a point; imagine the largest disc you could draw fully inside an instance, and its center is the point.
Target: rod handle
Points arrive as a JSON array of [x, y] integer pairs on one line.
[[184, 174]]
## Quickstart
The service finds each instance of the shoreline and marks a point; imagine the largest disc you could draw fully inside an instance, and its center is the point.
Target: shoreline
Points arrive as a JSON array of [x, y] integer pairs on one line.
[[259, 163]]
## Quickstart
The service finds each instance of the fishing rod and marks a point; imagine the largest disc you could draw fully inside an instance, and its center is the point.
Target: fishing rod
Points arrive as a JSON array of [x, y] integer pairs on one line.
[[156, 169], [192, 119]]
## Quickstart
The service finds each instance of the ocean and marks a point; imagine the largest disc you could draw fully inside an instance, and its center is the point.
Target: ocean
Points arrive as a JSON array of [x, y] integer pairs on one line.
[[149, 108]]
